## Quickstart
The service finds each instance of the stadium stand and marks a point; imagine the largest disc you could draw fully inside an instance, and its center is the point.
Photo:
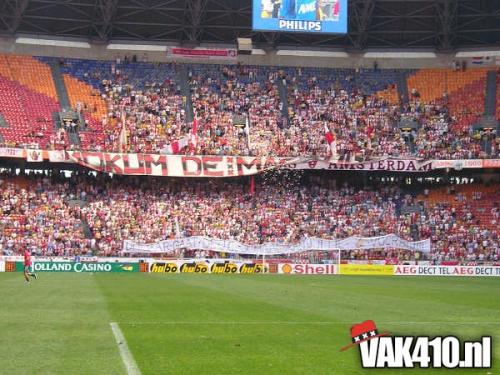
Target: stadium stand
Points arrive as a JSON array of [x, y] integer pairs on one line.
[[143, 107], [432, 83], [89, 215], [29, 72], [220, 93], [27, 103], [28, 116]]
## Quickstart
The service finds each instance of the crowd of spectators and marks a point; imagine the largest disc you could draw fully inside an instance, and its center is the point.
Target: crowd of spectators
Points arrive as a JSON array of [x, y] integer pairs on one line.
[[93, 215], [223, 98]]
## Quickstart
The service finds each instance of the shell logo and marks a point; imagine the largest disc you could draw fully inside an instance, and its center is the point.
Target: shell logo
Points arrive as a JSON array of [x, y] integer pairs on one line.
[[286, 268]]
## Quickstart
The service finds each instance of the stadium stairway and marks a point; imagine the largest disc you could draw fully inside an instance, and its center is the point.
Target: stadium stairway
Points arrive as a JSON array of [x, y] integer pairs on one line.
[[284, 99], [3, 123], [402, 89], [183, 79], [62, 93], [74, 138]]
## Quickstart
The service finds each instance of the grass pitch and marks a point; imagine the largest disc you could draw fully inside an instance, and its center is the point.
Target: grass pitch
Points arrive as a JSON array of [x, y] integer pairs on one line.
[[214, 324]]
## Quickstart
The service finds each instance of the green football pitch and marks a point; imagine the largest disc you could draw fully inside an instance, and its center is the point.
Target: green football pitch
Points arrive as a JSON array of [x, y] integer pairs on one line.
[[214, 324]]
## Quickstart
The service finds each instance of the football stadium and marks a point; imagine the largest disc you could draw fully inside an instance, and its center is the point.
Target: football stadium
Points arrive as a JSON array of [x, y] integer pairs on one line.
[[249, 187]]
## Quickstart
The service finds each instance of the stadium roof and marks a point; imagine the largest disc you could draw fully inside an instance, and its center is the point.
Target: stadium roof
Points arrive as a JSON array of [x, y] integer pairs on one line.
[[439, 24]]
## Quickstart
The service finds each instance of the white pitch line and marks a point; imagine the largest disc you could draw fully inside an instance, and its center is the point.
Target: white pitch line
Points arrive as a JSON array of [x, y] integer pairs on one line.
[[300, 323], [127, 358]]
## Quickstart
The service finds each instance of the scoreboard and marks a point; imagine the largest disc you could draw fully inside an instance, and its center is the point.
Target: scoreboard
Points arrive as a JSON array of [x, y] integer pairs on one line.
[[307, 16]]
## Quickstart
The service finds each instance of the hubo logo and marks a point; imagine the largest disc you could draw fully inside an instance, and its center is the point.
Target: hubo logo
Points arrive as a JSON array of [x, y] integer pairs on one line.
[[379, 350]]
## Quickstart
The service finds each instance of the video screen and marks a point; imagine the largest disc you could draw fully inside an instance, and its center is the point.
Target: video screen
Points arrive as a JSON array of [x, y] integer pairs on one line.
[[315, 16]]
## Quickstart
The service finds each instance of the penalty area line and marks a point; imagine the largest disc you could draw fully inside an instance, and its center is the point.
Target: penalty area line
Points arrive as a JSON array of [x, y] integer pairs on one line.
[[127, 358]]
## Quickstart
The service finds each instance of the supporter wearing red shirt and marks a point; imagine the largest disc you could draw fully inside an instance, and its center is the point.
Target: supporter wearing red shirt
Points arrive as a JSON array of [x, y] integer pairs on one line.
[[27, 267]]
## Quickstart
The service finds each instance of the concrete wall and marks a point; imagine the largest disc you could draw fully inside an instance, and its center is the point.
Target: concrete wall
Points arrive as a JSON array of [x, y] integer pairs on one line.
[[356, 60]]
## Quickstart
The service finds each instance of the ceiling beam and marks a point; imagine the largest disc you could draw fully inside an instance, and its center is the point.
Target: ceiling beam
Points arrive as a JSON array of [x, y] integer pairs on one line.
[[363, 13], [106, 12], [195, 12], [447, 20], [21, 6]]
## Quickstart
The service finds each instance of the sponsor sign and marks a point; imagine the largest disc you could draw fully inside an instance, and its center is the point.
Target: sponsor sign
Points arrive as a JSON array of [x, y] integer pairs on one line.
[[13, 266], [80, 267], [457, 164], [421, 270], [206, 266], [6, 152], [203, 53], [164, 267], [2, 266], [251, 268], [307, 269], [306, 16], [379, 349], [224, 267], [366, 269], [491, 163]]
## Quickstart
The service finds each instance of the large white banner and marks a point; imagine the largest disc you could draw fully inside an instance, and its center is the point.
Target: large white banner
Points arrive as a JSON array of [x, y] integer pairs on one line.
[[2, 266], [390, 241]]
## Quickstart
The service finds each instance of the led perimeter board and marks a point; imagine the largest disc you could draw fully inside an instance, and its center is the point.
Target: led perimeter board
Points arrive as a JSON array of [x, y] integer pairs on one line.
[[306, 16]]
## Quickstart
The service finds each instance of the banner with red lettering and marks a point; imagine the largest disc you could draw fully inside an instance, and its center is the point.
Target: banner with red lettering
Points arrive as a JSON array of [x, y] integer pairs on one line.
[[203, 53], [226, 166], [229, 166], [176, 165], [393, 165]]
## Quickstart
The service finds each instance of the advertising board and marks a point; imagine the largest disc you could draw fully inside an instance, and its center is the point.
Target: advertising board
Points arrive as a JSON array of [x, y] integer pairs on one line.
[[205, 266], [307, 269], [79, 267], [422, 270], [366, 269]]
